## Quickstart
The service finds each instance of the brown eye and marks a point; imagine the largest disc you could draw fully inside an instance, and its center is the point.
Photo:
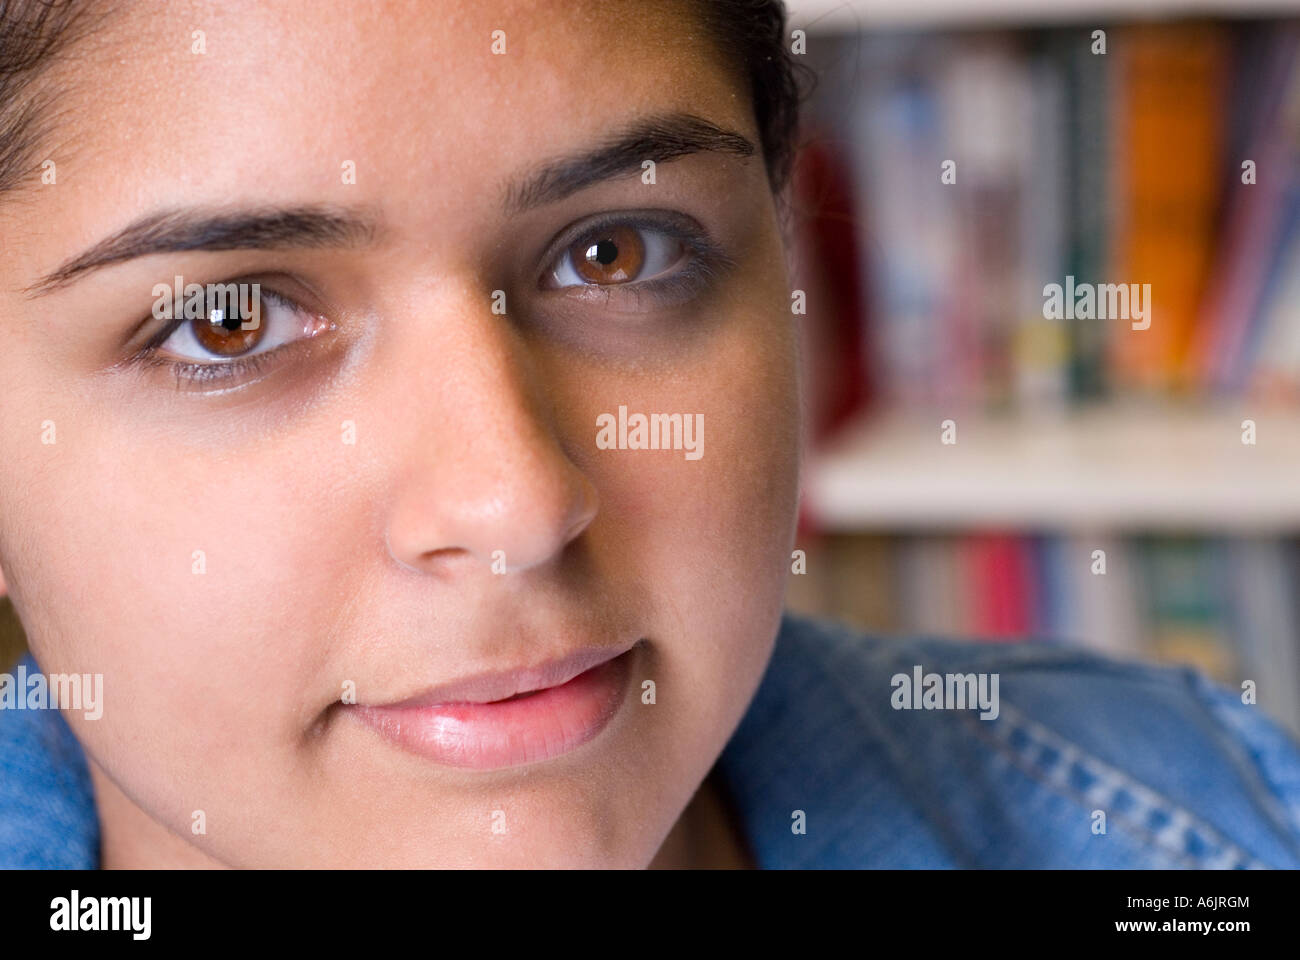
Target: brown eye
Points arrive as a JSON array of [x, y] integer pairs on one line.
[[226, 336], [613, 255], [629, 253]]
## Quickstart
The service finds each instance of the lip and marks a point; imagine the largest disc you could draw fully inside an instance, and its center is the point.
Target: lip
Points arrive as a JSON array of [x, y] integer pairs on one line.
[[511, 718]]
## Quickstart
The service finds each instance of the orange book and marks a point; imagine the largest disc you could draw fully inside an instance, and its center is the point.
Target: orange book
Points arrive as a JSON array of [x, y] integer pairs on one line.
[[1167, 159]]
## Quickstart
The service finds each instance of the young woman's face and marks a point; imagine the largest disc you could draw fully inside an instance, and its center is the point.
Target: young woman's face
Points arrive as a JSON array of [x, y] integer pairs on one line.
[[391, 486]]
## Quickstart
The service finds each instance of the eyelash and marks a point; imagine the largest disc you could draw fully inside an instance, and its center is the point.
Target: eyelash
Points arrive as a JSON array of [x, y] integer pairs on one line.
[[189, 373]]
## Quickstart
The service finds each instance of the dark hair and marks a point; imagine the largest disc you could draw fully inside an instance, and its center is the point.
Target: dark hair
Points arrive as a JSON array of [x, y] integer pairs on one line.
[[751, 34], [33, 35]]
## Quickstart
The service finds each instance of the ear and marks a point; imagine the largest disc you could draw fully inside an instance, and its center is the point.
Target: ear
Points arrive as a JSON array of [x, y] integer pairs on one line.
[[2, 583]]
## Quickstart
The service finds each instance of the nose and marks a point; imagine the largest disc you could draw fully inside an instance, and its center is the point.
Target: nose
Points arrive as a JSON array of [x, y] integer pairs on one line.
[[485, 476]]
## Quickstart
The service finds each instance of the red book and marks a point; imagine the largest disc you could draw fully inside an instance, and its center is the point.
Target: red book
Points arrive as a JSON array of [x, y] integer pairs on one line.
[[1002, 578]]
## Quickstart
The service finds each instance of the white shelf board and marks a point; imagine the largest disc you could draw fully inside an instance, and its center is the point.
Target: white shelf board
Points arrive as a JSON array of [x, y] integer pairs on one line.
[[1127, 468], [829, 16]]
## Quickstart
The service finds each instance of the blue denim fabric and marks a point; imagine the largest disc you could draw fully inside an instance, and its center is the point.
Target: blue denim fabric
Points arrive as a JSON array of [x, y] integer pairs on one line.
[[1186, 775], [47, 812]]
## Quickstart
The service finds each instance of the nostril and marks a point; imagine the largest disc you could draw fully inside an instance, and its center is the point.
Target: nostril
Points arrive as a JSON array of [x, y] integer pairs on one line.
[[445, 554], [425, 561]]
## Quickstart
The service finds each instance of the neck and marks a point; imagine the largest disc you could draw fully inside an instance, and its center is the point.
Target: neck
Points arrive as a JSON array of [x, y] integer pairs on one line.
[[705, 836]]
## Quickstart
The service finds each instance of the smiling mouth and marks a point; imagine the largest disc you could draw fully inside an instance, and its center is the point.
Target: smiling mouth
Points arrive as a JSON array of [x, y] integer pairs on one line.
[[466, 724]]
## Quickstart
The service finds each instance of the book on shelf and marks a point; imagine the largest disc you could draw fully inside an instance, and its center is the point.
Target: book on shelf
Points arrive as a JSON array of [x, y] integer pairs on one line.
[[1169, 122]]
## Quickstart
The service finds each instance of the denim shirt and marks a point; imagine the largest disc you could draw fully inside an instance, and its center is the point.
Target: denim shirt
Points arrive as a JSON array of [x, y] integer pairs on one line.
[[1088, 762]]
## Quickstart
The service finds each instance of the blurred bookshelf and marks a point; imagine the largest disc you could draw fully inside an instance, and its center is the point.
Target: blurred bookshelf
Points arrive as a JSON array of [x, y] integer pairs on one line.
[[847, 15], [1105, 467], [1104, 488]]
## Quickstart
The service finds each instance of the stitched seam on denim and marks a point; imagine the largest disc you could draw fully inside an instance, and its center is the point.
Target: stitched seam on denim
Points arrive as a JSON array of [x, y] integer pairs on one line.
[[1286, 813], [1107, 783]]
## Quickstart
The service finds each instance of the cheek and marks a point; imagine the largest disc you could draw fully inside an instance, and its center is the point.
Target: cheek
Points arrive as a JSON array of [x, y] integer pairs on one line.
[[711, 538], [200, 583]]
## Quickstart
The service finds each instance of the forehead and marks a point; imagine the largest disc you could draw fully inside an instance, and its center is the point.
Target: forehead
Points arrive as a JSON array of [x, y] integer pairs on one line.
[[247, 101]]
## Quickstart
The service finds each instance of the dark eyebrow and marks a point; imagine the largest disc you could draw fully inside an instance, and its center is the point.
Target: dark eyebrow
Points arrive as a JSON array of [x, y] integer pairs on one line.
[[659, 138], [179, 230]]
